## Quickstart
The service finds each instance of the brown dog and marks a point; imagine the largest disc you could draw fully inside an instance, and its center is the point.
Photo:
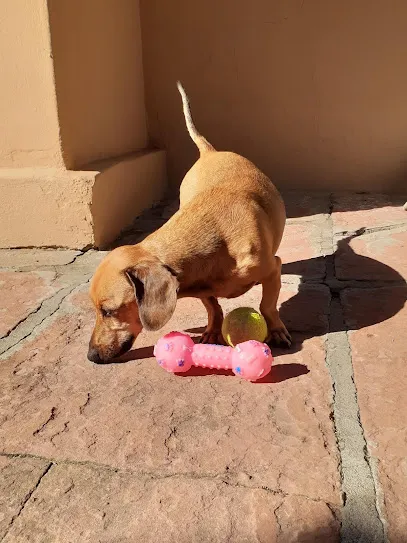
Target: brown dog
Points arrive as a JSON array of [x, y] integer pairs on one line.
[[220, 243]]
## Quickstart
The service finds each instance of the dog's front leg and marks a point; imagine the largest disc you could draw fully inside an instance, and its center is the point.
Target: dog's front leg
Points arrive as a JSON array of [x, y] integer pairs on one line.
[[278, 333], [213, 332]]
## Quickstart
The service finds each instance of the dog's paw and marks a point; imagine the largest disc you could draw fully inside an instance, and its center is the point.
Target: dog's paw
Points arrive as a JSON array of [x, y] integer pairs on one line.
[[212, 337], [279, 336]]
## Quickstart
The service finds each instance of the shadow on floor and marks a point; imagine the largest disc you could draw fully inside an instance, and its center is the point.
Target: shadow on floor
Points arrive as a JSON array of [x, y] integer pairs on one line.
[[330, 534], [365, 308], [370, 308], [299, 204]]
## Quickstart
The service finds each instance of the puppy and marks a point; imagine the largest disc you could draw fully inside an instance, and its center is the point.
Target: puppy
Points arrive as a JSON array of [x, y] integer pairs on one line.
[[221, 242]]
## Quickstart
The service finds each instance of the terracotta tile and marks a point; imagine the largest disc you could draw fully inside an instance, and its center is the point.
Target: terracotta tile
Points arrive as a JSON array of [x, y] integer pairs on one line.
[[302, 250], [136, 416], [22, 293], [80, 503]]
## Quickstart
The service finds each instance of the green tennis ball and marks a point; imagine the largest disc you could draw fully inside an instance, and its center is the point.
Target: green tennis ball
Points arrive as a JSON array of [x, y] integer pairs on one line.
[[243, 324]]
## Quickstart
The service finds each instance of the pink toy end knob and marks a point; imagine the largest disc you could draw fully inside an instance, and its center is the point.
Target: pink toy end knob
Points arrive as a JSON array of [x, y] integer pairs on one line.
[[174, 352], [252, 360]]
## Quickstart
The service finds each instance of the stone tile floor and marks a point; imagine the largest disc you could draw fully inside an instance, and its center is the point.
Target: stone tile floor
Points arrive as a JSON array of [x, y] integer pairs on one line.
[[317, 452]]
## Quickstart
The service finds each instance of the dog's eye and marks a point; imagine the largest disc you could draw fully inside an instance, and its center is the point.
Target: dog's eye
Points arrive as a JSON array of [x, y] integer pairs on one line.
[[106, 312]]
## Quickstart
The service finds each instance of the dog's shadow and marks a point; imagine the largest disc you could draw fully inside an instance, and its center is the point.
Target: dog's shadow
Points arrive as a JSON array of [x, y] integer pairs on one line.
[[378, 294], [300, 317]]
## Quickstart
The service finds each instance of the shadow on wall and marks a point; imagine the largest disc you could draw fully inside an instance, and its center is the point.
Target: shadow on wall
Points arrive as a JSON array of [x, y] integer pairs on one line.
[[313, 92], [122, 190]]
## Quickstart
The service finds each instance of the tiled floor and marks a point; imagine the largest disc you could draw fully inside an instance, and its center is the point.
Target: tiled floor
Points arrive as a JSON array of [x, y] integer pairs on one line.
[[317, 452]]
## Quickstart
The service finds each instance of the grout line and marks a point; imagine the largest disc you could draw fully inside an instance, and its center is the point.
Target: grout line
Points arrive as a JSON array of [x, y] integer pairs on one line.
[[361, 519], [33, 322]]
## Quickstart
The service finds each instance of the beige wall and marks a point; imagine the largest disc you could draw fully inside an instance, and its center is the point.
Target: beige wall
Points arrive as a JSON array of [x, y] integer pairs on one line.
[[314, 91], [99, 78], [29, 129], [72, 93]]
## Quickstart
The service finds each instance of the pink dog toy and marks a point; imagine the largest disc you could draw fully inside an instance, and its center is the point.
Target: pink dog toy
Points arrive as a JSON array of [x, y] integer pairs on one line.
[[176, 352]]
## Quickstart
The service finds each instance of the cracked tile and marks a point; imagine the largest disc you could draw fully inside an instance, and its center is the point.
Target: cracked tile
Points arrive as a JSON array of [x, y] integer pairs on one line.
[[37, 320], [21, 294], [22, 258], [18, 478], [81, 503]]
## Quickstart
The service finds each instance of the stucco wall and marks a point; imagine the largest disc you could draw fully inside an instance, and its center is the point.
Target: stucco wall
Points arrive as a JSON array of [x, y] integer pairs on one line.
[[99, 78], [314, 91], [72, 93], [29, 128]]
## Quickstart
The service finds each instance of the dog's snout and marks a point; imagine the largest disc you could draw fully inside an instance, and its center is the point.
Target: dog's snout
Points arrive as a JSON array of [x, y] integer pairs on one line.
[[106, 355], [93, 356]]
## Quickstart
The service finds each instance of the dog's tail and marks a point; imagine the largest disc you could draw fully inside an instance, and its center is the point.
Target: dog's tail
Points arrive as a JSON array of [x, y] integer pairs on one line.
[[202, 144]]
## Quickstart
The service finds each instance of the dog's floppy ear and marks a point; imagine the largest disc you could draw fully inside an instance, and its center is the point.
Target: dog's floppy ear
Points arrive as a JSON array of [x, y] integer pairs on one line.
[[155, 288]]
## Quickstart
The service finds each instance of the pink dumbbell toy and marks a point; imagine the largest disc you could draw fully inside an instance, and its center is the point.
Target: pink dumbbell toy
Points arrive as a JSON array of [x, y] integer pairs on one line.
[[176, 352]]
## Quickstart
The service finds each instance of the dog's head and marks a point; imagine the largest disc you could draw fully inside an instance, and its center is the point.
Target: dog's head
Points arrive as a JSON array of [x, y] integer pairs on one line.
[[131, 290]]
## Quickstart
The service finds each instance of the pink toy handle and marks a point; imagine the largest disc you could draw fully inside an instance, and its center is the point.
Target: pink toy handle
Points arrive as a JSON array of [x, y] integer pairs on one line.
[[212, 356]]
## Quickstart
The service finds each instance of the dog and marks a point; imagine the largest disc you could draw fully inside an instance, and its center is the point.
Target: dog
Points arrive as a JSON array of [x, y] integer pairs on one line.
[[219, 244]]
